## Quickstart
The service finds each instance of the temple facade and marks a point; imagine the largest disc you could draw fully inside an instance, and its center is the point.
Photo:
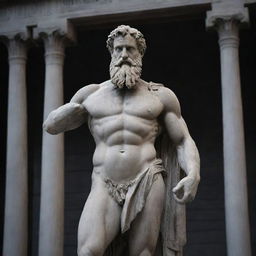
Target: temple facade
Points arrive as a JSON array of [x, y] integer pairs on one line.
[[204, 50]]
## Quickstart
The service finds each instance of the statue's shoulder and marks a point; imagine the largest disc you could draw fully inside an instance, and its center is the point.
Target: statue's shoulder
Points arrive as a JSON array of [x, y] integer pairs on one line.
[[161, 90], [85, 92], [106, 84], [154, 86], [89, 89], [167, 97]]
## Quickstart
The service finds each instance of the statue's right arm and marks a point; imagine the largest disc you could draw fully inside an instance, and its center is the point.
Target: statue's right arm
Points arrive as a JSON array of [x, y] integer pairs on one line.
[[187, 152], [71, 115]]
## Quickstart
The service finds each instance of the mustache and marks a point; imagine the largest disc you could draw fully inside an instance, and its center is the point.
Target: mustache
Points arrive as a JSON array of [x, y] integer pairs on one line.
[[127, 61]]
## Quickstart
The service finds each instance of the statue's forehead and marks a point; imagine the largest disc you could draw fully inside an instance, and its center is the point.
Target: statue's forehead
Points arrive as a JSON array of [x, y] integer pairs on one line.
[[125, 40]]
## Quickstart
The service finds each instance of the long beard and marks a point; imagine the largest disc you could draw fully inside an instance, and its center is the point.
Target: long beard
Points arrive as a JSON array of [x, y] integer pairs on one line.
[[125, 72]]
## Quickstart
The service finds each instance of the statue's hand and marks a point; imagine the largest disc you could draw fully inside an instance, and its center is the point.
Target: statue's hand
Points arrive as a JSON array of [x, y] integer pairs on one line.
[[187, 187]]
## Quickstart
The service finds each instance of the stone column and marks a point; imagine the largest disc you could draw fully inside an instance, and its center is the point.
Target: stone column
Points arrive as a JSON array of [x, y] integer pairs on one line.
[[16, 195], [51, 230], [236, 206]]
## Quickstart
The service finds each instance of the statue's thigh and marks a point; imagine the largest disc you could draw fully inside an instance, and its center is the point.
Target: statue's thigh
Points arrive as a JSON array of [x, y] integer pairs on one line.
[[100, 219], [145, 228]]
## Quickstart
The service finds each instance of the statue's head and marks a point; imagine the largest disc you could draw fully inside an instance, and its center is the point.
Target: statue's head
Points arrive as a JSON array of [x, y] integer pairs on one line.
[[127, 47]]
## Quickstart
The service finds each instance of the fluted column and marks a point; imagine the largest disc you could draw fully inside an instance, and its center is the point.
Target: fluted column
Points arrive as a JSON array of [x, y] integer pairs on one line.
[[236, 206], [51, 231], [16, 195]]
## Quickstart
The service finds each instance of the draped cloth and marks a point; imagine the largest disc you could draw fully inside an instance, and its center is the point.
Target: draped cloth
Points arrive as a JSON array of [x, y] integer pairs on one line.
[[133, 195], [173, 224]]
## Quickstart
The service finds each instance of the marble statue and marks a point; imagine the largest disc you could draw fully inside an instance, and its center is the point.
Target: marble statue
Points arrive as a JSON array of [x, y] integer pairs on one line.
[[136, 203]]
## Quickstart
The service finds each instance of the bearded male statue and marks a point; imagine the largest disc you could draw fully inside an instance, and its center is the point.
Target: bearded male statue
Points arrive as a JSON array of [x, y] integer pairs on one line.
[[136, 203]]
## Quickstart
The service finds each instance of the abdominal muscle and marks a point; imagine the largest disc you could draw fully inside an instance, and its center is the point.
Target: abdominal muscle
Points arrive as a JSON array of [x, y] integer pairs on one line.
[[122, 162]]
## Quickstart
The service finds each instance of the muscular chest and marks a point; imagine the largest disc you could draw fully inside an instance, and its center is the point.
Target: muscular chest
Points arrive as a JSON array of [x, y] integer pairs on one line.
[[139, 103]]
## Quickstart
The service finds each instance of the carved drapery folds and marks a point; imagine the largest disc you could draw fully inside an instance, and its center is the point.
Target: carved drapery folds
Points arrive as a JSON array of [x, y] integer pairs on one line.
[[16, 195], [236, 206]]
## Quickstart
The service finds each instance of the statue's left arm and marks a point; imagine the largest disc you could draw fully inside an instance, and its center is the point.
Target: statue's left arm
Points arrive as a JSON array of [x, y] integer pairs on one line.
[[188, 156], [70, 115]]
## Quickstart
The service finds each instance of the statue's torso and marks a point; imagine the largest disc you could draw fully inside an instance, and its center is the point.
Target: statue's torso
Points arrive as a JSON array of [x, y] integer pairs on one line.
[[124, 125]]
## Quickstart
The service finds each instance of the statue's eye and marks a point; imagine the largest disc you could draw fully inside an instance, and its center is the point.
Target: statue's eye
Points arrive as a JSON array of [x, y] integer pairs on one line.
[[118, 48], [130, 49]]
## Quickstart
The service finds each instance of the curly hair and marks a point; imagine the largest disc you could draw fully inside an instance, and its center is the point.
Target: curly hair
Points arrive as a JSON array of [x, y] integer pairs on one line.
[[123, 30]]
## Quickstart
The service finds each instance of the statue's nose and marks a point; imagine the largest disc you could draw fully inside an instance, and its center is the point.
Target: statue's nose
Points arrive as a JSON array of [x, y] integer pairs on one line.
[[124, 54]]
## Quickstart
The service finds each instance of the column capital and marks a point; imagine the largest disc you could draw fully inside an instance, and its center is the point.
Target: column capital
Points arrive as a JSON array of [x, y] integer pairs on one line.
[[54, 44], [55, 40], [62, 30], [226, 14], [226, 20], [17, 46], [22, 34]]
